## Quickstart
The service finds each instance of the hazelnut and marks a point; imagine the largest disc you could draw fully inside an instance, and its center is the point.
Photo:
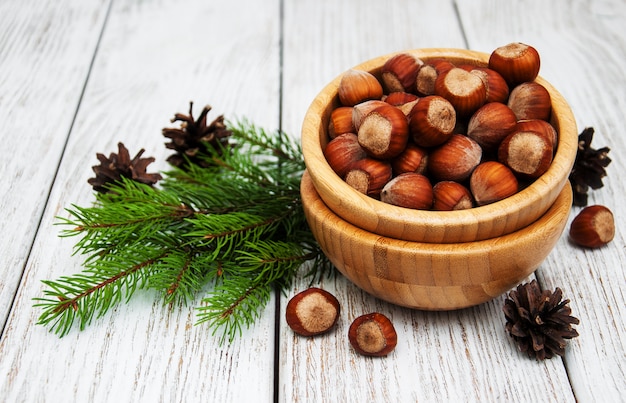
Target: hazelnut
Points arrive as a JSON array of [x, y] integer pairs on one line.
[[465, 91], [312, 312], [412, 159], [403, 100], [492, 181], [450, 195], [428, 73], [455, 159], [528, 153], [410, 190], [359, 111], [530, 101], [516, 62], [368, 176], [373, 334], [399, 72], [357, 86], [593, 227], [539, 126], [495, 85], [340, 122], [343, 151], [490, 124], [384, 132], [431, 121]]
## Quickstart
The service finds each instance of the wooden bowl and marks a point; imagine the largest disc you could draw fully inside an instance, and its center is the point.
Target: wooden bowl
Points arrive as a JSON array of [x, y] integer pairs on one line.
[[431, 276], [474, 224]]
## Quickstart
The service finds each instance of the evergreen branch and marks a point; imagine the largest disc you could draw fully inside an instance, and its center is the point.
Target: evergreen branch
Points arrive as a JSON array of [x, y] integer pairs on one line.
[[234, 304], [181, 274], [234, 223], [91, 293], [277, 144], [239, 300]]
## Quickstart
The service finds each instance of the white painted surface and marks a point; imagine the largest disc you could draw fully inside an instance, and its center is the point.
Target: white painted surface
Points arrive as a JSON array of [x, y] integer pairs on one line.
[[154, 57]]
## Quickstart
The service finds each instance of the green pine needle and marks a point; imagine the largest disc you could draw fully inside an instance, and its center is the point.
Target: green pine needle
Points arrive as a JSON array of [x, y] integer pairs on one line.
[[235, 228]]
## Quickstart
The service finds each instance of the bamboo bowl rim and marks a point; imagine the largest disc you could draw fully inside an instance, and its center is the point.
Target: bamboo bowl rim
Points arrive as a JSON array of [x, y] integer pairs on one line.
[[473, 224]]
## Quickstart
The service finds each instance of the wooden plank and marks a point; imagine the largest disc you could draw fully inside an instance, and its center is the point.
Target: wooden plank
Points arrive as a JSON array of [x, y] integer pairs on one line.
[[583, 52], [40, 93], [154, 58], [461, 355]]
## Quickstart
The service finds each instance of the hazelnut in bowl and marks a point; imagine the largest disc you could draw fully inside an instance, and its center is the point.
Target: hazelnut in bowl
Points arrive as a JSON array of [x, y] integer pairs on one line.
[[383, 231]]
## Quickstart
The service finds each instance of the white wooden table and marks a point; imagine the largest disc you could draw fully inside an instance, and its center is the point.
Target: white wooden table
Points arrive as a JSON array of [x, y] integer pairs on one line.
[[77, 76]]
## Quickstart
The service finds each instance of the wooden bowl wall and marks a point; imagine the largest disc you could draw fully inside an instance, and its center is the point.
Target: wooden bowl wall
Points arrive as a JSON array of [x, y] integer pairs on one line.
[[478, 223], [431, 276]]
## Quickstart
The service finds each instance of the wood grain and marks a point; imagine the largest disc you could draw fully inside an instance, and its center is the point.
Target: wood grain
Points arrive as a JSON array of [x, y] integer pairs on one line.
[[583, 51], [40, 94], [155, 56]]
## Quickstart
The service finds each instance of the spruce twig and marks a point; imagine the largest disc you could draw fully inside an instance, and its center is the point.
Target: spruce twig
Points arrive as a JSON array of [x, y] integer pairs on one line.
[[231, 220]]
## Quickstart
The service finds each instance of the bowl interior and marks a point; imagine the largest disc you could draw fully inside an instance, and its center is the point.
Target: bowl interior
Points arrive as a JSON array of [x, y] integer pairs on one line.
[[433, 276], [478, 223]]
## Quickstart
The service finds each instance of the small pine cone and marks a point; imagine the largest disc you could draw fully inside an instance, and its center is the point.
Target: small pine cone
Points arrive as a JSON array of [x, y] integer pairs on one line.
[[539, 321], [195, 139], [119, 165], [589, 167]]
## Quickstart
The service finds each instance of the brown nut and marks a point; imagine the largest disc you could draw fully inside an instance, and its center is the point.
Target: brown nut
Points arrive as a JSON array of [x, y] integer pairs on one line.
[[464, 90], [593, 227], [343, 151], [427, 75], [492, 181], [369, 176], [530, 100], [539, 125], [412, 159], [403, 100], [359, 111], [431, 121], [357, 86], [312, 312], [516, 62], [450, 195], [340, 122], [490, 124], [384, 132], [373, 334], [528, 153], [399, 72], [455, 159], [408, 190], [495, 85]]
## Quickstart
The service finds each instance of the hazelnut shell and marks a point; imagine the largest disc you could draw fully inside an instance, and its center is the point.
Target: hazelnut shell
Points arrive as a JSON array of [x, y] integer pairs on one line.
[[373, 334], [593, 227], [312, 312]]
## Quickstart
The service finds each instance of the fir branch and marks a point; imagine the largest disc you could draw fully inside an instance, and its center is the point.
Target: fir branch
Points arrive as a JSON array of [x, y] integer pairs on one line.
[[254, 273], [233, 305], [234, 223], [90, 294]]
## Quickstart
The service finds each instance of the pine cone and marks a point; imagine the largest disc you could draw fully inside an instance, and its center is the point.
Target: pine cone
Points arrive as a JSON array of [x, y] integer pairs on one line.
[[119, 165], [539, 321], [194, 138], [588, 169]]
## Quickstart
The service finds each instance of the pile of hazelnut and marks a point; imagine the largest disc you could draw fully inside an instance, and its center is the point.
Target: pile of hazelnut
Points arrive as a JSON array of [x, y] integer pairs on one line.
[[433, 135]]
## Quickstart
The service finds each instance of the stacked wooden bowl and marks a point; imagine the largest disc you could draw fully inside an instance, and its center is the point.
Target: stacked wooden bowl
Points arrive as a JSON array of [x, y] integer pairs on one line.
[[428, 259]]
